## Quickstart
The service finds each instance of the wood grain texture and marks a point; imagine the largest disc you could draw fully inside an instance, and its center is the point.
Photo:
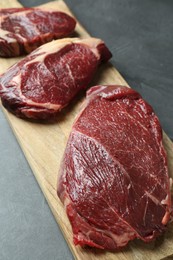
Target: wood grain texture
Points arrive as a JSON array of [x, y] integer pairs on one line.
[[44, 144]]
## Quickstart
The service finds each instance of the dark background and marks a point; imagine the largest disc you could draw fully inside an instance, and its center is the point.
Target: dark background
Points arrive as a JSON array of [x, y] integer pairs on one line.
[[139, 33]]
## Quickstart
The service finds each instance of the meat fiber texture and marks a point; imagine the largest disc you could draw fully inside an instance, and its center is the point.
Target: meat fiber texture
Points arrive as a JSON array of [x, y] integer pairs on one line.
[[44, 82], [114, 177], [22, 30]]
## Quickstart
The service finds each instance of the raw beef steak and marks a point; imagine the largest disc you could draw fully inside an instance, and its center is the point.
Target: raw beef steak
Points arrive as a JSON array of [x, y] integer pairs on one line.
[[45, 81], [22, 30], [114, 177]]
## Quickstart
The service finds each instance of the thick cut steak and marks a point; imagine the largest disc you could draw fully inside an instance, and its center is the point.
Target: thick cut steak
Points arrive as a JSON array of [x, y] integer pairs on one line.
[[114, 178], [45, 81], [22, 30]]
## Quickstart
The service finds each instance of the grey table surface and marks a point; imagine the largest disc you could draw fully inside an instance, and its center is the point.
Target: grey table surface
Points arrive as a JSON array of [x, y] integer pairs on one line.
[[139, 34]]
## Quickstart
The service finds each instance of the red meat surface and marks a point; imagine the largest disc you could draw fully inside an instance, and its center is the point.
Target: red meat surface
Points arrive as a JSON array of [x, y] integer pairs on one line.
[[22, 30], [114, 177], [44, 82]]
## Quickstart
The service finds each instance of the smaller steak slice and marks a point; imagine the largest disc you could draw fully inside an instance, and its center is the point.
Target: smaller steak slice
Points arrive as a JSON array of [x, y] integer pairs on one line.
[[45, 81], [22, 30], [114, 178]]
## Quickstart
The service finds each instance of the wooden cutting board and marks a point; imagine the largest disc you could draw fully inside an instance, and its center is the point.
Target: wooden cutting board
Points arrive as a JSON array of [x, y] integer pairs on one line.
[[44, 144]]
